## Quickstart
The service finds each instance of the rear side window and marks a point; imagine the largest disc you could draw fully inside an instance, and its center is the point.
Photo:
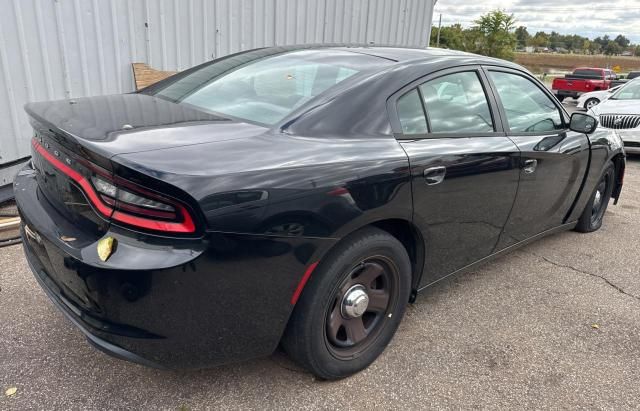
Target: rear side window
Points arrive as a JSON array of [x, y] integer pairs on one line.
[[528, 109], [411, 114], [456, 103]]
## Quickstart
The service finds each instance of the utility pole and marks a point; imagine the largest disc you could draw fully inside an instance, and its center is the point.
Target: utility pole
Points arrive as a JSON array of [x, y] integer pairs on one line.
[[439, 27]]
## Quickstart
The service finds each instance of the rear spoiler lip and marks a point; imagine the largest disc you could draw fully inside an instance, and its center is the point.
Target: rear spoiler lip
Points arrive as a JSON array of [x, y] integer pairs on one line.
[[78, 146]]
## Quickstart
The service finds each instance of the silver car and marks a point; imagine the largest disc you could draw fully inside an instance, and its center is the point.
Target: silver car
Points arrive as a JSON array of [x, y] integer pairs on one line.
[[621, 112]]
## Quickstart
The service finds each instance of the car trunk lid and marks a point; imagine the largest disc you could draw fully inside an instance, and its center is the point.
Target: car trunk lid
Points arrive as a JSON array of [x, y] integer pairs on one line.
[[75, 141]]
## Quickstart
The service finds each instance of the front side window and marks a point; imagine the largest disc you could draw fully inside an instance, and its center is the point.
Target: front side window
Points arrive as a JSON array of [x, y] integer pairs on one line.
[[267, 89], [456, 103], [528, 109]]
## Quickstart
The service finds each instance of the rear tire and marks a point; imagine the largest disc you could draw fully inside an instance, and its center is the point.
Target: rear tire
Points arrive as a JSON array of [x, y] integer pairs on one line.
[[327, 333], [561, 98], [593, 214]]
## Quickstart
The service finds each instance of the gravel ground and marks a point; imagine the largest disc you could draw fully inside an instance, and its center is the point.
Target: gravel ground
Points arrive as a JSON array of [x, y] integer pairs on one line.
[[553, 325]]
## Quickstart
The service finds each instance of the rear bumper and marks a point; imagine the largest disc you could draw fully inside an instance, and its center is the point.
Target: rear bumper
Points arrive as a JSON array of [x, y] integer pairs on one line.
[[93, 339], [166, 303]]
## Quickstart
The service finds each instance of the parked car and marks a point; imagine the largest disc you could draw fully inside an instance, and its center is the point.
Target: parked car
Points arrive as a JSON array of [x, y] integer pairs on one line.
[[582, 80], [299, 196], [621, 112], [589, 100], [623, 80]]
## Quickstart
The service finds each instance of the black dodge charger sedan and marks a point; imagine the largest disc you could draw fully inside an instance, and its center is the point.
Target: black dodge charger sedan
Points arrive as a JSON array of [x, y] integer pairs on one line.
[[299, 196]]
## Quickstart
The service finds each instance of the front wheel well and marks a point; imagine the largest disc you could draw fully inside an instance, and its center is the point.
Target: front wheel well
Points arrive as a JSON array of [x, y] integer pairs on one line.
[[619, 166]]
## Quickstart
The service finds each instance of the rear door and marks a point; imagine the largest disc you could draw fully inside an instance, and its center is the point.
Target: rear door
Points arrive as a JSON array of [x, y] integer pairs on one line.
[[464, 169], [553, 160]]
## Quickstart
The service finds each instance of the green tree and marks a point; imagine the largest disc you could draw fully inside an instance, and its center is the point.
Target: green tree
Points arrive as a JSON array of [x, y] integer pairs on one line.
[[496, 37], [612, 48], [522, 36], [541, 39], [451, 37], [622, 41], [595, 48], [602, 41]]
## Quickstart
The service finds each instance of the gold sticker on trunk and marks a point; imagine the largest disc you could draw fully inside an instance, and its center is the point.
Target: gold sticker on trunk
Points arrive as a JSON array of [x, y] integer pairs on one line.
[[105, 248]]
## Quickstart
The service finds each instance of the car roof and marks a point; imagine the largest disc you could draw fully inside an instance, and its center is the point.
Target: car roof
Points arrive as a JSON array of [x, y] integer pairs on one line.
[[402, 55]]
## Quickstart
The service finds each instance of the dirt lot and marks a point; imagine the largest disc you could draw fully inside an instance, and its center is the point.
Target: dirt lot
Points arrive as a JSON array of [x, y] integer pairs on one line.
[[553, 325], [547, 62]]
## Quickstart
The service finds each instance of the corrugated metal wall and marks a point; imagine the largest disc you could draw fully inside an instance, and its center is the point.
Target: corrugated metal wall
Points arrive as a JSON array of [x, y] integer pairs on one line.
[[53, 49]]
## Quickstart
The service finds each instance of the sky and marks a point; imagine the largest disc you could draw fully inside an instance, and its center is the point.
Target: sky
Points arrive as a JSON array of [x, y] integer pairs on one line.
[[589, 18]]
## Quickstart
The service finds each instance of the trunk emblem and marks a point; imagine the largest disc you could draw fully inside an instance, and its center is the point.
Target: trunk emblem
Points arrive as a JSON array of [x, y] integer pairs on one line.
[[56, 153], [127, 127]]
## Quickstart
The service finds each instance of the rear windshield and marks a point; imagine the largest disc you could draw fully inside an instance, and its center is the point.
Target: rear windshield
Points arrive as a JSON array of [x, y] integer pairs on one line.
[[582, 73], [265, 90]]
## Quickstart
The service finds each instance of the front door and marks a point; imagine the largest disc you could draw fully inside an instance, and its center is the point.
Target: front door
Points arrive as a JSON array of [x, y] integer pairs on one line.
[[464, 168], [553, 158]]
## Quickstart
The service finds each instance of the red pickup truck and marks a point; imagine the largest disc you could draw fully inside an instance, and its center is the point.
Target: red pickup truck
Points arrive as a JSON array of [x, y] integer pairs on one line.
[[583, 80]]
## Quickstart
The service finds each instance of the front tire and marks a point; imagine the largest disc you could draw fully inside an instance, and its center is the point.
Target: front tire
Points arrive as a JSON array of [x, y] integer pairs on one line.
[[593, 214], [592, 102], [352, 306]]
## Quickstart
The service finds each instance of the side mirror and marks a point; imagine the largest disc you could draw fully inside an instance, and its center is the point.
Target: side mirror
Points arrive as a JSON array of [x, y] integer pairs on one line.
[[583, 123]]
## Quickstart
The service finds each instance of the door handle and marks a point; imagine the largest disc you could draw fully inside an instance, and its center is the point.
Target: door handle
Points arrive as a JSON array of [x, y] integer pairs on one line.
[[434, 175], [530, 166]]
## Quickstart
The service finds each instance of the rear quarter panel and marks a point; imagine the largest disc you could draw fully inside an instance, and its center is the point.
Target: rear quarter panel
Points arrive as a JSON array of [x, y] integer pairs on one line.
[[327, 185]]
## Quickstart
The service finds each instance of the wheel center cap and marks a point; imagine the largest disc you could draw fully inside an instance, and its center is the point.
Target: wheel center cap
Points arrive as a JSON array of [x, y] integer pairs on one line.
[[355, 302], [598, 198]]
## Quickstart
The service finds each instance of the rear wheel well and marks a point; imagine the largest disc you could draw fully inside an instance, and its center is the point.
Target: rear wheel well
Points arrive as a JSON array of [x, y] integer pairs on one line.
[[405, 232]]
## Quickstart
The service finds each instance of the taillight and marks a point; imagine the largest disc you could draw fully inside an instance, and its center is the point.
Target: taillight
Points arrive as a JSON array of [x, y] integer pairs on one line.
[[126, 202]]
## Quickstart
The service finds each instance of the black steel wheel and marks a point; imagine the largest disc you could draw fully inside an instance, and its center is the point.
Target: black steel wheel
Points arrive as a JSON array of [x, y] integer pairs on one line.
[[360, 306], [352, 305], [593, 214]]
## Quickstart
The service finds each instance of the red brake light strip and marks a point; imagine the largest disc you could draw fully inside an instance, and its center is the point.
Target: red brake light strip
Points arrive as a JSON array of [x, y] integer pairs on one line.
[[186, 226]]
